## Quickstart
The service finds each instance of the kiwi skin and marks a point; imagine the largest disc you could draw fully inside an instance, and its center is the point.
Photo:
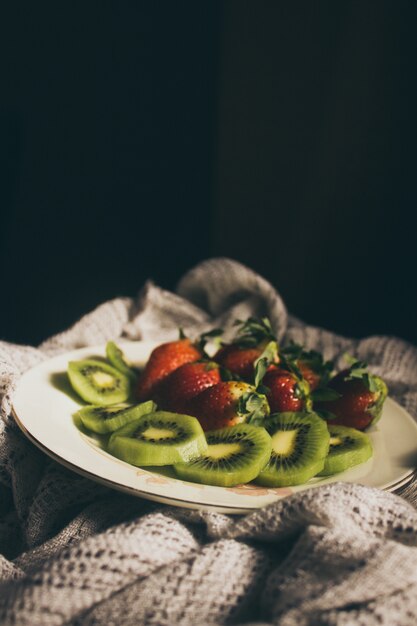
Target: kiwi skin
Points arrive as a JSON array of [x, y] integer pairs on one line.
[[355, 448], [130, 443], [107, 419], [279, 473], [118, 360], [81, 373], [234, 467]]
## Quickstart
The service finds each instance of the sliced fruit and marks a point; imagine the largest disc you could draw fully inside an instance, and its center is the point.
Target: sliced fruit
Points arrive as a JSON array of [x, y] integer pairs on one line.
[[348, 447], [163, 360], [234, 455], [118, 360], [107, 419], [300, 443], [228, 403], [97, 382], [159, 438]]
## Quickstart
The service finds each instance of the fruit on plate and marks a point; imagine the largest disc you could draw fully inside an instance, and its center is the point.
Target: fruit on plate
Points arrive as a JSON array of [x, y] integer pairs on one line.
[[300, 443], [252, 338], [186, 382], [116, 358], [234, 455], [163, 360], [360, 401], [348, 447], [97, 382], [286, 391], [107, 419], [310, 364], [158, 438], [182, 392], [228, 403]]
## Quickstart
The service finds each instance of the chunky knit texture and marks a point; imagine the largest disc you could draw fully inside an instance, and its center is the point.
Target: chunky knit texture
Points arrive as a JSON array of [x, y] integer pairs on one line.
[[73, 552]]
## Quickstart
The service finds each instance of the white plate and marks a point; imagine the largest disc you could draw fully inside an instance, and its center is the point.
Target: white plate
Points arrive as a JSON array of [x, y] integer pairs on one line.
[[43, 406]]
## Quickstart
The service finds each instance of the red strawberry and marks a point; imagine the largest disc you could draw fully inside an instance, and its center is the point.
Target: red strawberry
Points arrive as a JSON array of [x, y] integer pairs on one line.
[[228, 403], [360, 401], [286, 392], [185, 382], [163, 360], [253, 338], [239, 361], [312, 377]]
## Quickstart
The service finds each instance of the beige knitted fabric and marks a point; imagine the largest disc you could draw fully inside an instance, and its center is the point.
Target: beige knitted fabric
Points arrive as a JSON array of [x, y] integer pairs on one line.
[[73, 552]]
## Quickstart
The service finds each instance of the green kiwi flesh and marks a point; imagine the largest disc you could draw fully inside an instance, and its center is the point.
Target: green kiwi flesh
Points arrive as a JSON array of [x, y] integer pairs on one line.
[[158, 438], [235, 455], [107, 419], [300, 443], [348, 447], [97, 382], [118, 360]]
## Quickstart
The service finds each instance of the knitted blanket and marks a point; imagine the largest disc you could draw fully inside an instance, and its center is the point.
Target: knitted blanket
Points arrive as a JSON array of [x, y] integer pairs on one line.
[[73, 552]]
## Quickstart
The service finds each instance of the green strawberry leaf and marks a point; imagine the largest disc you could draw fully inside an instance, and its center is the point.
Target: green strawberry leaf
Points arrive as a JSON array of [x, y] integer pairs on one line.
[[302, 389], [380, 396], [253, 331], [312, 358], [263, 389], [226, 375], [291, 366], [181, 333], [261, 366], [325, 415], [353, 361], [254, 406], [211, 365], [268, 356], [210, 334], [358, 370], [325, 394]]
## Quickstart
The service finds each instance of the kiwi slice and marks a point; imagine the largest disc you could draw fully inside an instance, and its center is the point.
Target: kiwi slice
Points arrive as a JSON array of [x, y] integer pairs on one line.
[[158, 438], [300, 443], [348, 447], [118, 360], [107, 419], [97, 382], [234, 455]]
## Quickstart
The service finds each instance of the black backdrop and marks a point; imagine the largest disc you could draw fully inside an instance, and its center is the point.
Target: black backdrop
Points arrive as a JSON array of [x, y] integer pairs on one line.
[[139, 138]]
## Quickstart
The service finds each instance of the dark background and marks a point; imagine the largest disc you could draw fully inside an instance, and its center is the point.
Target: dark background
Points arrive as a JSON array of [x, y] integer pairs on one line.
[[140, 138]]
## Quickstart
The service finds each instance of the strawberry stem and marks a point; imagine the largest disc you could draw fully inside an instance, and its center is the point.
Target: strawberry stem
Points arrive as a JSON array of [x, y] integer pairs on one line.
[[253, 331]]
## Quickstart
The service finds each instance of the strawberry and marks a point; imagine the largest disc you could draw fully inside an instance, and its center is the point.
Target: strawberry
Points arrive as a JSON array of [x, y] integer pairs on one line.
[[310, 364], [187, 381], [357, 400], [253, 338], [307, 372], [163, 360], [228, 403], [286, 391]]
